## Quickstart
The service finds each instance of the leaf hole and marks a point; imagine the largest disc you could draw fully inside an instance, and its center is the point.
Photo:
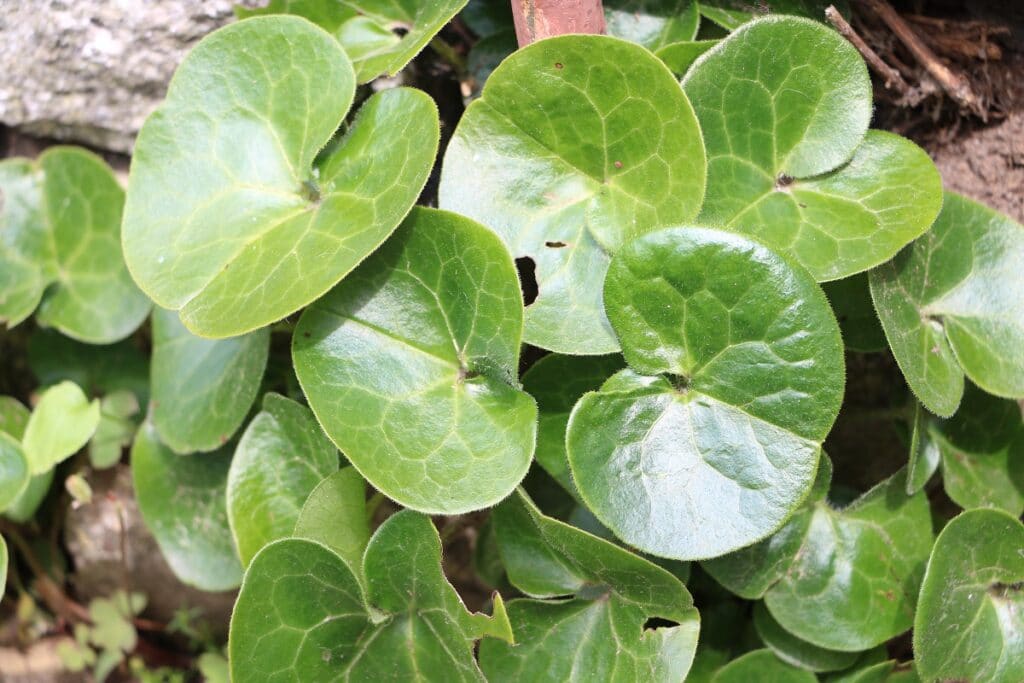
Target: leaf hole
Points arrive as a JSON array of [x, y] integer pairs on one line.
[[679, 383], [527, 268], [555, 245], [1003, 590], [310, 191], [558, 65], [400, 30], [783, 182], [654, 623]]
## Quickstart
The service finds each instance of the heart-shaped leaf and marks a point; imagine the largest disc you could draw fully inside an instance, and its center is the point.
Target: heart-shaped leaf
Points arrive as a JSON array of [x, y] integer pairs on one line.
[[14, 473], [280, 459], [182, 501], [62, 422], [567, 191], [717, 443], [410, 365], [202, 388], [302, 614], [952, 303], [335, 515], [231, 219], [599, 633], [844, 579], [557, 383], [762, 666], [970, 617], [784, 104], [61, 220], [797, 652]]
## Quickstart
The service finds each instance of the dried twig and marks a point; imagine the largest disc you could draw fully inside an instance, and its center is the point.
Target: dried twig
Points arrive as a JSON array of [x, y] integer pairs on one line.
[[892, 78]]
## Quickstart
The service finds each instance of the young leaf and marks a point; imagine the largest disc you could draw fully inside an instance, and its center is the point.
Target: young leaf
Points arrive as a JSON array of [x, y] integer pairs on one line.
[[115, 430], [181, 498], [62, 422], [280, 459], [982, 451], [744, 377], [335, 515], [784, 104], [600, 632], [762, 666], [970, 618], [567, 191], [797, 652], [202, 388], [301, 612], [556, 383], [410, 366], [844, 579], [228, 218], [63, 218], [952, 303], [14, 473], [652, 23]]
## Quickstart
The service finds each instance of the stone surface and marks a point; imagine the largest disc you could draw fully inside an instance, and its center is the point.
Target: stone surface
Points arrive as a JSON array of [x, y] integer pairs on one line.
[[90, 71]]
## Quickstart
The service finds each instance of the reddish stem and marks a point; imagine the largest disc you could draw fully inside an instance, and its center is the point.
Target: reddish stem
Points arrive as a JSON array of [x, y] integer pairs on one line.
[[539, 19]]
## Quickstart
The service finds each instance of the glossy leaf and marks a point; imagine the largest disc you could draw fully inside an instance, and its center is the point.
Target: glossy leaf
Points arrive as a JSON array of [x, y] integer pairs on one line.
[[228, 218], [410, 366], [280, 459], [202, 388], [599, 633], [784, 104], [620, 159], [302, 614], [182, 501], [14, 473], [61, 220], [851, 301], [652, 23], [952, 303], [795, 651], [62, 422], [718, 444], [335, 515], [762, 666], [970, 618], [557, 383]]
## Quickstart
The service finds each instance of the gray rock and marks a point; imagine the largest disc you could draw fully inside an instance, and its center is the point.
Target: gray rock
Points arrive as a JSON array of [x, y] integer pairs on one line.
[[90, 71]]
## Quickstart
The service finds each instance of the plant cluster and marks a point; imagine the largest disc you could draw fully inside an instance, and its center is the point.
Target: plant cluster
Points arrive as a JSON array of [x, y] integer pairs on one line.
[[701, 257]]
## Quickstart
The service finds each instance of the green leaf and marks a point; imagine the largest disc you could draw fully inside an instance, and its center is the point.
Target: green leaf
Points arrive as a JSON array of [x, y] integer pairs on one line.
[[679, 57], [410, 366], [952, 303], [335, 515], [228, 220], [731, 14], [486, 17], [14, 472], [280, 459], [62, 222], [970, 618], [202, 388], [112, 627], [567, 191], [182, 501], [762, 666], [115, 430], [62, 422], [745, 378], [556, 383], [3, 565], [600, 632], [652, 23], [982, 452], [13, 417], [851, 301], [844, 579], [301, 613], [924, 451], [793, 650], [806, 181], [25, 505], [99, 370], [889, 671]]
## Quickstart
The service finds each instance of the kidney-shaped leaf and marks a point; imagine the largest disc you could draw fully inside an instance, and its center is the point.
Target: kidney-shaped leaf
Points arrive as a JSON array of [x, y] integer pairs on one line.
[[410, 365], [202, 388], [599, 633], [577, 144], [784, 104], [717, 446], [61, 222], [844, 579], [61, 423], [182, 501], [952, 303], [970, 618], [301, 613], [280, 459], [230, 218]]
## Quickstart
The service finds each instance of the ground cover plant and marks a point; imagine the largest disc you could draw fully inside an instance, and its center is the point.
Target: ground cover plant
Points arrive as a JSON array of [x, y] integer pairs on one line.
[[607, 352]]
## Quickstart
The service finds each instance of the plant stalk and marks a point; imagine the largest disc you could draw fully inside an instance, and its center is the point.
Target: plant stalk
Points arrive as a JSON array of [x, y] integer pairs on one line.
[[539, 19]]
